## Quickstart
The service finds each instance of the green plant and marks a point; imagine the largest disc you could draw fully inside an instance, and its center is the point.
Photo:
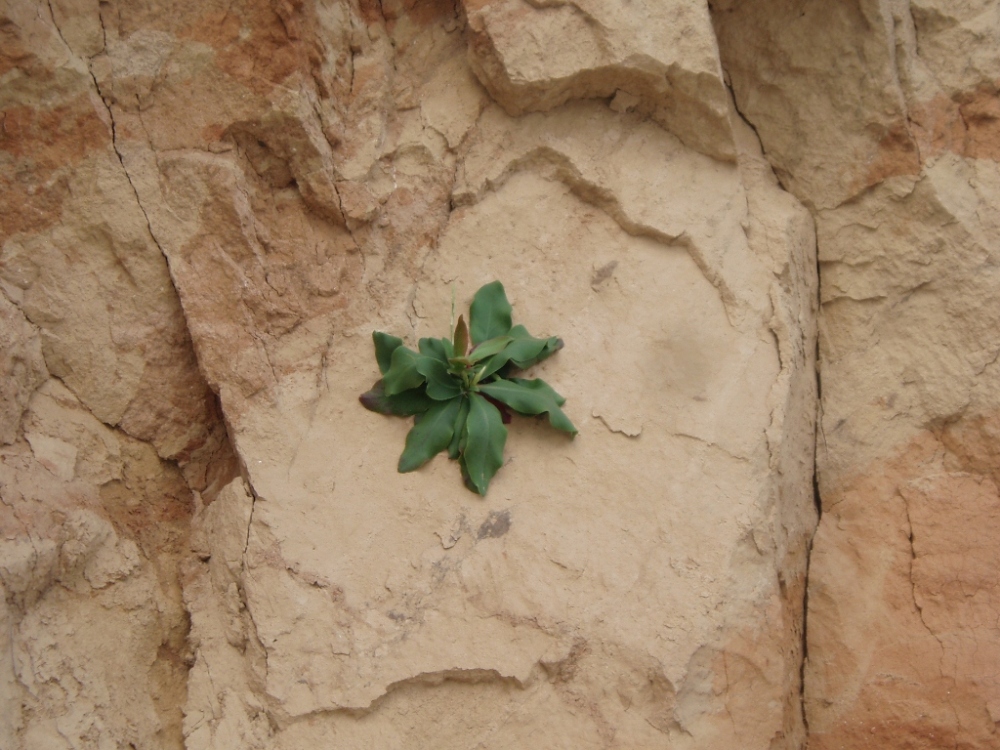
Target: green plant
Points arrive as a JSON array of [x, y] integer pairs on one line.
[[460, 389]]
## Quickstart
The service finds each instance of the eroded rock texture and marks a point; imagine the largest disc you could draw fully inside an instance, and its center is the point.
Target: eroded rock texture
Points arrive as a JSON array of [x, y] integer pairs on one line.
[[107, 425], [884, 117], [301, 173], [206, 208]]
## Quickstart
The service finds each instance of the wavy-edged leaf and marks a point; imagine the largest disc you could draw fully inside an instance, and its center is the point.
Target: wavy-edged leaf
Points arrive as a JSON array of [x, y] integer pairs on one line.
[[552, 345], [430, 435], [460, 341], [531, 397], [524, 351], [402, 373], [441, 385], [479, 353], [440, 349], [385, 345], [540, 385], [466, 479], [405, 404], [490, 313], [456, 445], [489, 348], [485, 437]]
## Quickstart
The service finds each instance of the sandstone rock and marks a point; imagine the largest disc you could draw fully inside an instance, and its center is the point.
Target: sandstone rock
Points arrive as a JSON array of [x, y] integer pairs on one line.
[[93, 521], [22, 368], [89, 275], [905, 183], [661, 57], [92, 614], [907, 475], [820, 85], [846, 95], [204, 213], [360, 594], [220, 710]]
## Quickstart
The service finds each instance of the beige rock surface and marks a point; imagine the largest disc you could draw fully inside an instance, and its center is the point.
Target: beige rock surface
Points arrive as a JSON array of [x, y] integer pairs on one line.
[[93, 525], [204, 211], [23, 367], [907, 477], [657, 58], [901, 164], [107, 425], [317, 171]]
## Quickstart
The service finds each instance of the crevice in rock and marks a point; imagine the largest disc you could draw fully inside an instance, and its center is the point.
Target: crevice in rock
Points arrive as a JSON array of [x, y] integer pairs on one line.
[[432, 679], [817, 496], [805, 610], [748, 123], [121, 160], [625, 431], [55, 25], [913, 585], [818, 426], [253, 507], [565, 171]]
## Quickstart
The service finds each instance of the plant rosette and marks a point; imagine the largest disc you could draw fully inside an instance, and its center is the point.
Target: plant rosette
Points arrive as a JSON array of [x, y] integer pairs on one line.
[[462, 389]]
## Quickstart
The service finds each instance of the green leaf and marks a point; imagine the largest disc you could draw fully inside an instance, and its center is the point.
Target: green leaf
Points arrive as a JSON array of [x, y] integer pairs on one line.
[[524, 351], [530, 397], [490, 313], [484, 441], [385, 345], [440, 349], [405, 404], [489, 348], [540, 385], [460, 342], [402, 373], [430, 435], [466, 479], [441, 385], [552, 345], [434, 384], [526, 355], [455, 448]]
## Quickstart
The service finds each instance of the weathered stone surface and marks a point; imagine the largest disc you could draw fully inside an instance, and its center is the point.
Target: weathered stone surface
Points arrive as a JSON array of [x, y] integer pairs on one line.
[[92, 523], [312, 172], [22, 368], [360, 594], [902, 585], [884, 117], [89, 275], [93, 520], [845, 95], [656, 58], [206, 209], [902, 640]]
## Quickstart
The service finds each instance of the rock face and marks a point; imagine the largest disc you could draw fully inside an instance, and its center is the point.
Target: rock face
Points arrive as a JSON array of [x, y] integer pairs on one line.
[[903, 635], [207, 208]]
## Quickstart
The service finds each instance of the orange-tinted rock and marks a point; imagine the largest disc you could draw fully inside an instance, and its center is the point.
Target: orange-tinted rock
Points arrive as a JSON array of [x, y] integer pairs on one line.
[[204, 211], [22, 368], [903, 638], [966, 123], [93, 526], [883, 117], [533, 58]]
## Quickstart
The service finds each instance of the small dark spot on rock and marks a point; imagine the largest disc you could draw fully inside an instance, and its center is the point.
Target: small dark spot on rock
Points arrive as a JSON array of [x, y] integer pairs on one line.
[[497, 524], [603, 273]]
